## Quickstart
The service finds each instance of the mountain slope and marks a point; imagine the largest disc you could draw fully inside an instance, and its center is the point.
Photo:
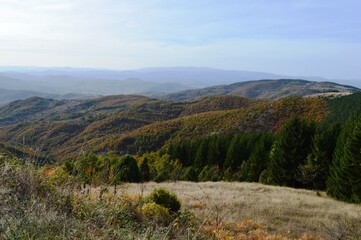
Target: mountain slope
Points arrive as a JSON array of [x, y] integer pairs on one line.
[[267, 116], [53, 125], [269, 89], [149, 124], [131, 123]]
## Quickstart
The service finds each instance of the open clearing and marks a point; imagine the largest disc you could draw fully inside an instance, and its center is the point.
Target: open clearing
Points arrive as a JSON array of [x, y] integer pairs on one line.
[[278, 209]]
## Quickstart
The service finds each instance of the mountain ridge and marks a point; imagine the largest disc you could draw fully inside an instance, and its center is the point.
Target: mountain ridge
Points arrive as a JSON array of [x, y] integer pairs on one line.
[[269, 89], [153, 82]]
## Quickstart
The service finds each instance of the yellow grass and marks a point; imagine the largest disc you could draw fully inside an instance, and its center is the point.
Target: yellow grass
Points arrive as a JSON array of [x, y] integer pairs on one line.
[[278, 209]]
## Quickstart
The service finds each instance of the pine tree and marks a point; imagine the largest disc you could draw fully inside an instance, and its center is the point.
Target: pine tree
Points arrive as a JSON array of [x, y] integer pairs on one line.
[[316, 170], [201, 156], [239, 150], [144, 170], [218, 147], [344, 182], [233, 154], [353, 160], [256, 163], [126, 170], [337, 183], [288, 152]]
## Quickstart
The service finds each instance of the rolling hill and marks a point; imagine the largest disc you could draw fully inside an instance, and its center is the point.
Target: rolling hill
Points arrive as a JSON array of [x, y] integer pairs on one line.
[[268, 89], [79, 83], [54, 85], [132, 123], [267, 116], [7, 96], [127, 123]]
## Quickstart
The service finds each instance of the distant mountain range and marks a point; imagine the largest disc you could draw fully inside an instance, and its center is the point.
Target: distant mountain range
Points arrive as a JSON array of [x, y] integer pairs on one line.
[[58, 83], [195, 77], [7, 95]]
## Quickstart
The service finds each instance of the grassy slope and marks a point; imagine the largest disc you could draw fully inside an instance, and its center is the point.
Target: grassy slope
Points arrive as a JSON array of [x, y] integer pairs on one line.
[[36, 200], [280, 209]]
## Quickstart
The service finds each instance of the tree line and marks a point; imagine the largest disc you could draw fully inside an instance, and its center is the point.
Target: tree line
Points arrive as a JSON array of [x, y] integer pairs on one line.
[[302, 155], [323, 156]]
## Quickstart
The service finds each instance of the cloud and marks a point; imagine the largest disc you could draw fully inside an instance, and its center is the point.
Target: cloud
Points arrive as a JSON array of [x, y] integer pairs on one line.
[[254, 35]]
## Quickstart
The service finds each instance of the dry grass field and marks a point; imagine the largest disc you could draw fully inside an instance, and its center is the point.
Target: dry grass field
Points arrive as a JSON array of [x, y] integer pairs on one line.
[[279, 210], [43, 204]]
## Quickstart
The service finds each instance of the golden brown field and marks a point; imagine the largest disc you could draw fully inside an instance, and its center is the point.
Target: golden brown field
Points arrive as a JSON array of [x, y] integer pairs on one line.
[[279, 210]]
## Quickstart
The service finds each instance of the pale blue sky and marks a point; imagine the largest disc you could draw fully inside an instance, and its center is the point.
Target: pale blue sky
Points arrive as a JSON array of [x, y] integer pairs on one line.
[[304, 37]]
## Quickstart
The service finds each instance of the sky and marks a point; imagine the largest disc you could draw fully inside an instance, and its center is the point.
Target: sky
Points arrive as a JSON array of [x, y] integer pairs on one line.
[[290, 37]]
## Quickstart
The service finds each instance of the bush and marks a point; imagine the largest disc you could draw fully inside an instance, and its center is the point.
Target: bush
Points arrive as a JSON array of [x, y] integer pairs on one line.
[[165, 198], [156, 213], [186, 219]]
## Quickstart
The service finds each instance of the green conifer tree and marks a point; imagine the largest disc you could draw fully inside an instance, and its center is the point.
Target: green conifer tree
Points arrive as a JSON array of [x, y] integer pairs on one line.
[[126, 170], [256, 163], [233, 154], [144, 170], [344, 182], [316, 170], [353, 162], [337, 182], [288, 152], [201, 156]]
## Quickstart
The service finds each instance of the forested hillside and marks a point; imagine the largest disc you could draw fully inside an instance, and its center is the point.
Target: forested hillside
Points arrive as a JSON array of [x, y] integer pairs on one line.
[[295, 142], [127, 124]]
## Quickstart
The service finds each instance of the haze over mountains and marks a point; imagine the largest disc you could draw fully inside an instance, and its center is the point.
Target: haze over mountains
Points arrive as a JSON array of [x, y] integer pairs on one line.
[[81, 83]]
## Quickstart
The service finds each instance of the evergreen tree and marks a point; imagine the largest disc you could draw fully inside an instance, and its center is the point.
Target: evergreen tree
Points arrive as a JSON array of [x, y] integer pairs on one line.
[[234, 154], [218, 147], [238, 153], [209, 173], [144, 170], [190, 175], [201, 156], [257, 161], [183, 152], [316, 170], [126, 170], [338, 185], [353, 160], [288, 152], [344, 182]]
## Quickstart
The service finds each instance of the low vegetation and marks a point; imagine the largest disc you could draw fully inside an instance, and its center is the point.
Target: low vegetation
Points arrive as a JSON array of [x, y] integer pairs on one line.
[[47, 203]]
